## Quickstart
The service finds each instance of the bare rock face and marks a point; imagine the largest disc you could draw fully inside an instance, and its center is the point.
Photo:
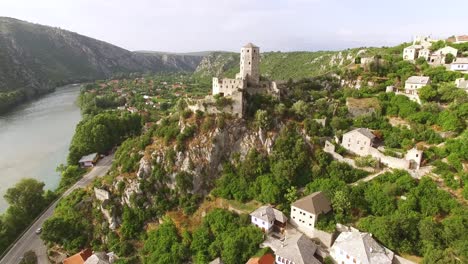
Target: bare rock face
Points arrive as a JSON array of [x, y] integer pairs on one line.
[[144, 171], [104, 197]]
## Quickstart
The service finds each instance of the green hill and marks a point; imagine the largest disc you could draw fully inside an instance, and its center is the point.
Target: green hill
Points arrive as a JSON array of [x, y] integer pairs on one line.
[[35, 58]]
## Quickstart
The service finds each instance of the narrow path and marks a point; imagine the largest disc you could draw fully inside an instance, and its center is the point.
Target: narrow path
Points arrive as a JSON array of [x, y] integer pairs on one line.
[[370, 177], [30, 240]]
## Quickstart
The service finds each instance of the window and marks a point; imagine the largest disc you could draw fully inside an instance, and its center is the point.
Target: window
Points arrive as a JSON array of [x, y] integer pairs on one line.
[[347, 256], [310, 217], [294, 209], [358, 141], [362, 148], [417, 155], [354, 260], [294, 217], [310, 224]]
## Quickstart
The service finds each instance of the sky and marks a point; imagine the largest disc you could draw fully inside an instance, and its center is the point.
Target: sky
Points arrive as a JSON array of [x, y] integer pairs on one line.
[[286, 25]]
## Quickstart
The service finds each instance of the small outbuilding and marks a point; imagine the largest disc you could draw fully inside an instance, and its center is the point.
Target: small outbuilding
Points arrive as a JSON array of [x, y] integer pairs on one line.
[[89, 160]]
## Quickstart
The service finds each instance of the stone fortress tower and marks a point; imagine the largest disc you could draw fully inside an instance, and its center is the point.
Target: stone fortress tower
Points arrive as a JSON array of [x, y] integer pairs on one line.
[[247, 82], [250, 64]]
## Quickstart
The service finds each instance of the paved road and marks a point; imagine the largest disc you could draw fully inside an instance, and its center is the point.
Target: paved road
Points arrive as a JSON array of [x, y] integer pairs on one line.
[[30, 240]]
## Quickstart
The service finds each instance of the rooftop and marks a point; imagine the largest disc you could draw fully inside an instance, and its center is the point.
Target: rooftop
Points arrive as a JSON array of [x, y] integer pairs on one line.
[[460, 61], [299, 249], [79, 258], [90, 157], [363, 247], [363, 131], [268, 213], [250, 45], [315, 203], [265, 259], [418, 80]]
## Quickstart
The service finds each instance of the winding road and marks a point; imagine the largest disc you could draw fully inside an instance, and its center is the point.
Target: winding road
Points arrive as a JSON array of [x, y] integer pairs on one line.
[[30, 240]]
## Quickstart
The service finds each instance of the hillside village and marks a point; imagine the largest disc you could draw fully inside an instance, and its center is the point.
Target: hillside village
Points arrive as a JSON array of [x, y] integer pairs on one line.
[[358, 165]]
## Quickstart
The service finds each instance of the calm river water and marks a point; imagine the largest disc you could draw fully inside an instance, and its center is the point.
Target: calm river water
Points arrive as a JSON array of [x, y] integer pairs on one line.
[[34, 139]]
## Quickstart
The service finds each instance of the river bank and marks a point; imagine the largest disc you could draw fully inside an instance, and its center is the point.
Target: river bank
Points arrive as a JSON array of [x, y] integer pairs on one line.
[[35, 137]]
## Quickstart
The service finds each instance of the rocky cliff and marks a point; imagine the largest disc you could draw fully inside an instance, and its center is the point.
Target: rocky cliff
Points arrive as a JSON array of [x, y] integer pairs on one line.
[[200, 163]]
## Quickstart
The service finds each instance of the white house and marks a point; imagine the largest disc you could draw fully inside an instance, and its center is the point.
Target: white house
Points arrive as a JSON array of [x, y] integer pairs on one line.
[[353, 247], [411, 53], [414, 158], [459, 64], [424, 53], [414, 83], [462, 84], [268, 219], [296, 249], [305, 211], [358, 141]]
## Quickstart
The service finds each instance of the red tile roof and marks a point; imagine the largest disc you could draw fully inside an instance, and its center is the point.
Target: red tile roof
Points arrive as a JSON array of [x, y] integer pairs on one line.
[[265, 259], [79, 258]]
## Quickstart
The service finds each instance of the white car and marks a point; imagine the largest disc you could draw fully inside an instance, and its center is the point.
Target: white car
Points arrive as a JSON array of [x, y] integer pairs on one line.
[[39, 230]]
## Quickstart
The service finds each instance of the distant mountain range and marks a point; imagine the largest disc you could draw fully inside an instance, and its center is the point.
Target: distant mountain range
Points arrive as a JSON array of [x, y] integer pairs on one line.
[[35, 58]]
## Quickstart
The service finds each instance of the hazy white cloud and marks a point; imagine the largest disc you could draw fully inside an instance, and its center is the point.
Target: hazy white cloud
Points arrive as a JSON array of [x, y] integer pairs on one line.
[[190, 25]]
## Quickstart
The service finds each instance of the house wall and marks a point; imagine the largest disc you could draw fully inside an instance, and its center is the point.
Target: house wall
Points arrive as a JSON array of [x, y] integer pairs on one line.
[[304, 220], [356, 143], [459, 67], [411, 88], [409, 53], [424, 53], [281, 260], [264, 225]]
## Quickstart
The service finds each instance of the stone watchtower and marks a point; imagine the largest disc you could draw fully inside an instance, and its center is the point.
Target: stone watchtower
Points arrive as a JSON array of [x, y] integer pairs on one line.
[[250, 64]]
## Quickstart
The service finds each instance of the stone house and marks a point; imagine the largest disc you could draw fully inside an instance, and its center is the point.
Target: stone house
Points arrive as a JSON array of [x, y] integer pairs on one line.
[[305, 211], [297, 249], [358, 141], [414, 83], [459, 64], [268, 219], [414, 158], [353, 246]]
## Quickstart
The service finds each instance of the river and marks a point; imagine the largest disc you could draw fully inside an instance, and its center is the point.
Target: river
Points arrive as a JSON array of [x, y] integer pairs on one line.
[[34, 139]]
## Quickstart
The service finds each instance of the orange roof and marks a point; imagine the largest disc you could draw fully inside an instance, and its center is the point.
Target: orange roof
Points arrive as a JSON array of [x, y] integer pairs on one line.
[[265, 259], [79, 258]]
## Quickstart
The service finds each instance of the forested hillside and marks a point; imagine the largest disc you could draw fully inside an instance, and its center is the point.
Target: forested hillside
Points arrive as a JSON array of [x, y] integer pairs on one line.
[[35, 59]]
